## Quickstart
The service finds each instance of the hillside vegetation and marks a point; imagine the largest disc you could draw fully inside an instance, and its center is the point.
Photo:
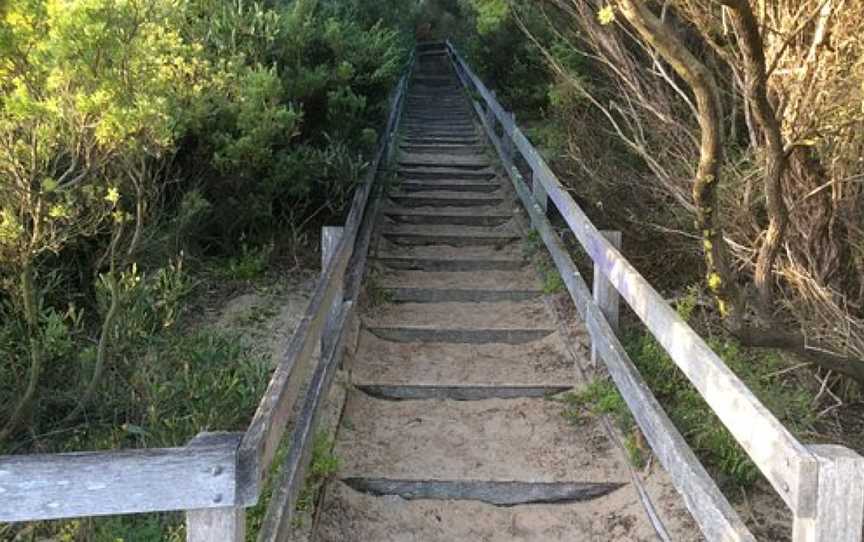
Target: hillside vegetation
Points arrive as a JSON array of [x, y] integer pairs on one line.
[[157, 156]]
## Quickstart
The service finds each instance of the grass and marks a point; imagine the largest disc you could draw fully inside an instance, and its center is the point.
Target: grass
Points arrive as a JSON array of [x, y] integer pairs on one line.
[[597, 398], [601, 397], [377, 295], [250, 264], [712, 442], [323, 466], [163, 388], [532, 249]]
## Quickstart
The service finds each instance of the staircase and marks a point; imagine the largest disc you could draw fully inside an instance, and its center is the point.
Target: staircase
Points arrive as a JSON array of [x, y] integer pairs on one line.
[[448, 432]]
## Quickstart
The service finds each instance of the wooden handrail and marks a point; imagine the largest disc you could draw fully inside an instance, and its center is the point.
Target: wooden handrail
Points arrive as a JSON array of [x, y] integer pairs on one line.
[[797, 472], [54, 486]]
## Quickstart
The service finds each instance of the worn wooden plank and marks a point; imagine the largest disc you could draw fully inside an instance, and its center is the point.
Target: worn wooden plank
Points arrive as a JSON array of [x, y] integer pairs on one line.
[[715, 516], [216, 525], [510, 493], [840, 502], [605, 295], [408, 334], [458, 393], [330, 236], [268, 424], [39, 487], [283, 501], [784, 461]]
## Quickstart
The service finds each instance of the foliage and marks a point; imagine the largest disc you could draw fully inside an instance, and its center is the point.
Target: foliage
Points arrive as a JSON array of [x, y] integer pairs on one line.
[[788, 195], [693, 417], [249, 264], [133, 132]]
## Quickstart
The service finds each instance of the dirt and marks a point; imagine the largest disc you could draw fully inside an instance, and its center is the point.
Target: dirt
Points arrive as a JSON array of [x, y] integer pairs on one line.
[[502, 315], [387, 362], [495, 439], [525, 279], [347, 515], [267, 312]]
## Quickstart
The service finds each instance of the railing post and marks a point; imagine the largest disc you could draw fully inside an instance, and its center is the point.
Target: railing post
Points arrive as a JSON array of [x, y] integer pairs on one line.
[[539, 192], [839, 498], [330, 236], [491, 119], [216, 525], [507, 145], [605, 295], [226, 524]]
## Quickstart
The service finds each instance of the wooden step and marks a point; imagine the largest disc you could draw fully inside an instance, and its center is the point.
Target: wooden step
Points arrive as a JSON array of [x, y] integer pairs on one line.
[[497, 493], [522, 439], [542, 363], [414, 200], [458, 295], [408, 216], [483, 187], [350, 515], [414, 334], [446, 173], [425, 140], [450, 264], [416, 392], [453, 240]]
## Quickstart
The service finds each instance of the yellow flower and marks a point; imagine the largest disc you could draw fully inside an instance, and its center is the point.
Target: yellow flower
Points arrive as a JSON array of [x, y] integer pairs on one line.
[[113, 195], [58, 211], [606, 15], [714, 282]]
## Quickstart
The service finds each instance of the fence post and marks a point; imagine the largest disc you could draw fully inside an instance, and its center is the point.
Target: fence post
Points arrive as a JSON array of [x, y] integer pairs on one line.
[[226, 524], [507, 145], [216, 525], [539, 192], [839, 498], [605, 295], [330, 236], [491, 119]]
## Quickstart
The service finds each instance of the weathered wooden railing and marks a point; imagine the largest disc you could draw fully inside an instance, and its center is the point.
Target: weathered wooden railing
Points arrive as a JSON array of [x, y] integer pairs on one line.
[[822, 485], [218, 475]]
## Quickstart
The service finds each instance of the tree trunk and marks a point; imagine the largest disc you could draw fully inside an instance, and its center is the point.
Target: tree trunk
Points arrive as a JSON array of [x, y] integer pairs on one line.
[[31, 315], [719, 276], [756, 91]]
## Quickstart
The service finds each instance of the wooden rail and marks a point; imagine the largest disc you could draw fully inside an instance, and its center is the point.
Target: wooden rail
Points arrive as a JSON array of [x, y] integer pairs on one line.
[[218, 475], [822, 486]]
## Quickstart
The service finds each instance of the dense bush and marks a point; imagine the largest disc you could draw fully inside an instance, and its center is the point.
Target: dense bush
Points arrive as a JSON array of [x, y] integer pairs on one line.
[[130, 131]]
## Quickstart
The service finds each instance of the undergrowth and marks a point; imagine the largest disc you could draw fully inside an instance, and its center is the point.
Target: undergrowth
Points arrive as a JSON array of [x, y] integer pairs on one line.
[[533, 250], [166, 386], [323, 466], [249, 264], [715, 446], [712, 442], [601, 397], [376, 294]]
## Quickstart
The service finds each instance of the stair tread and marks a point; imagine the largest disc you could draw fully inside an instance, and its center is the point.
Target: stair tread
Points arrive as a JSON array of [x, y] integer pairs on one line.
[[525, 279], [542, 362], [504, 230], [443, 160], [531, 314], [350, 515], [447, 197], [508, 251], [525, 439]]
